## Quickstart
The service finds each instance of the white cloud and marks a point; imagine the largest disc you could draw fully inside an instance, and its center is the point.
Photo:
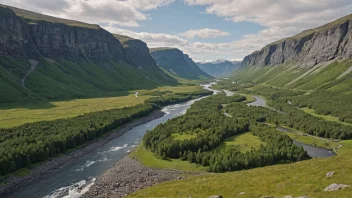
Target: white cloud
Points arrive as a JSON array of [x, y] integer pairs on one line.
[[281, 18], [152, 39], [113, 12], [204, 33]]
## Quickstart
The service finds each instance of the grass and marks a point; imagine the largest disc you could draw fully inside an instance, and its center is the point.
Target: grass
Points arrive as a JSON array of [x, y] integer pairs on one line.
[[245, 142], [181, 137], [312, 141], [305, 178], [325, 117], [13, 115], [149, 159]]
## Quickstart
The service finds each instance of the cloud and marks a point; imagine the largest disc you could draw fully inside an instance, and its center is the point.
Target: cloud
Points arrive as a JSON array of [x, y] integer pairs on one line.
[[114, 12], [204, 33], [280, 18], [152, 39]]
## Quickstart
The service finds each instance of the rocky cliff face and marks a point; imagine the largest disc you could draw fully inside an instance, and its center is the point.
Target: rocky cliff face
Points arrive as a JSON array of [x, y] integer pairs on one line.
[[136, 52], [328, 42], [55, 40], [219, 68], [177, 63]]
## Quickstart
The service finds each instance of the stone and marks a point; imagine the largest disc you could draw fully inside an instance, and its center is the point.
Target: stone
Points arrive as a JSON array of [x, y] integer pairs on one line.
[[267, 197], [242, 193], [216, 196], [334, 187], [330, 174], [288, 196]]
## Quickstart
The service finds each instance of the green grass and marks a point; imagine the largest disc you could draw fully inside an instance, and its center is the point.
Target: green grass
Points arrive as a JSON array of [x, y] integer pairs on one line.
[[12, 115], [305, 178], [325, 117], [149, 159], [182, 137], [245, 142], [313, 141]]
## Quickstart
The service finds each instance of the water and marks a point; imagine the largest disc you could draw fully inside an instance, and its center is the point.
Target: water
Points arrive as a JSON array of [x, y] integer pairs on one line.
[[75, 178], [259, 102], [315, 152]]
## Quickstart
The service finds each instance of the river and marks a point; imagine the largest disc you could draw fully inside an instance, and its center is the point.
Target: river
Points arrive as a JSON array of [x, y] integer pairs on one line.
[[74, 179]]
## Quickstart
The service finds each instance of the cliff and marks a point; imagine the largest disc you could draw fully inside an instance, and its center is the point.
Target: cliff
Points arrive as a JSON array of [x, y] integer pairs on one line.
[[219, 68], [311, 47], [175, 62], [52, 58]]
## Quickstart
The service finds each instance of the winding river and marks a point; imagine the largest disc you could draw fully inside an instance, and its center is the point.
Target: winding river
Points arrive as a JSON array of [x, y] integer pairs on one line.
[[74, 179]]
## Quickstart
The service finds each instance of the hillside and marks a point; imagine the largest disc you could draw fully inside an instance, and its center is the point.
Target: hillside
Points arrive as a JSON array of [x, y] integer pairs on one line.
[[309, 48], [219, 68], [47, 58], [175, 62]]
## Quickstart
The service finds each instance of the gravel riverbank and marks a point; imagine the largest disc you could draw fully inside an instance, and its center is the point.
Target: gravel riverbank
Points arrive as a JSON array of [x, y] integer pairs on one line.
[[127, 176], [50, 167]]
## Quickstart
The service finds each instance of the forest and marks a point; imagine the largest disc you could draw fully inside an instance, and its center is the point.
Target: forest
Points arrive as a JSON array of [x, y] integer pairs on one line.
[[206, 121], [37, 142]]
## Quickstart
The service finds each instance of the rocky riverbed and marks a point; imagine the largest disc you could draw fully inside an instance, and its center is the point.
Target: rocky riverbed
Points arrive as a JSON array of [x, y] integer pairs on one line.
[[128, 176]]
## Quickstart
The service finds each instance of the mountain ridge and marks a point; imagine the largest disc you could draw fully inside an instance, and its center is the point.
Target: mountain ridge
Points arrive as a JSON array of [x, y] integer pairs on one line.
[[74, 60], [219, 68], [175, 62], [309, 48]]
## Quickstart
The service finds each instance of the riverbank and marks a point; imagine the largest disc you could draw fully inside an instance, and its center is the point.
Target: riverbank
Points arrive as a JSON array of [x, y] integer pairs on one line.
[[128, 176], [50, 167]]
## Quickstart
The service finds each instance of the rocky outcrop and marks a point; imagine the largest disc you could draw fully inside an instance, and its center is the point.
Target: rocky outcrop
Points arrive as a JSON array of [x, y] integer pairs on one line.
[[177, 63], [219, 68], [328, 42]]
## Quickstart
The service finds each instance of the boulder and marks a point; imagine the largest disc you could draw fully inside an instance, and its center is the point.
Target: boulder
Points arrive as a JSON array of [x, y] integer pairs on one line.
[[330, 174], [334, 187], [216, 196]]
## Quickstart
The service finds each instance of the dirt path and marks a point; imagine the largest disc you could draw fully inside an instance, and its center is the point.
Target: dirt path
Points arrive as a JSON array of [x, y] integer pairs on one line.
[[34, 64]]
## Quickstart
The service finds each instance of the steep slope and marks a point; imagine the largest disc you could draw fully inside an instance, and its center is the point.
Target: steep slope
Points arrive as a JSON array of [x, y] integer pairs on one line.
[[43, 57], [219, 68], [175, 62], [311, 47]]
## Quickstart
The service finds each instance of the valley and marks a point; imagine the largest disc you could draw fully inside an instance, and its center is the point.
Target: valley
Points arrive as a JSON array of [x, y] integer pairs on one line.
[[140, 105]]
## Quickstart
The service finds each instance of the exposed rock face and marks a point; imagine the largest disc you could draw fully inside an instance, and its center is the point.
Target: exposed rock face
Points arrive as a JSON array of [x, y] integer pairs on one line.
[[334, 187], [177, 63], [219, 68], [55, 40], [328, 42], [136, 52]]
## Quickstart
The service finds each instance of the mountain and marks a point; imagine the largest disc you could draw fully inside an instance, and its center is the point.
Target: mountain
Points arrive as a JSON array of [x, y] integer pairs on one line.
[[328, 42], [48, 58], [175, 62], [219, 68]]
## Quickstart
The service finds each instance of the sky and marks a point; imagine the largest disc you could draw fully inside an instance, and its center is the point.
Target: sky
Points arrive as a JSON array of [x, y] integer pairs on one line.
[[205, 29]]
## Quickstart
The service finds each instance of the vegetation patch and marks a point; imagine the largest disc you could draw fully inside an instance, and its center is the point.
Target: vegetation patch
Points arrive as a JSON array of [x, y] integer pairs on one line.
[[148, 158], [325, 117], [184, 136], [244, 142]]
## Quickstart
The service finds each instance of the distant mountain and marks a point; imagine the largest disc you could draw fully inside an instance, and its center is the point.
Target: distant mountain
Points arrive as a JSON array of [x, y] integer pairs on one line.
[[219, 68], [175, 62], [43, 57]]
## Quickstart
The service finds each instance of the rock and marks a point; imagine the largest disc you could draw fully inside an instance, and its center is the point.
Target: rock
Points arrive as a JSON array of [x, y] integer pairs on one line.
[[330, 174], [242, 193], [216, 196], [334, 187], [302, 197], [288, 196], [307, 49], [267, 197], [116, 185]]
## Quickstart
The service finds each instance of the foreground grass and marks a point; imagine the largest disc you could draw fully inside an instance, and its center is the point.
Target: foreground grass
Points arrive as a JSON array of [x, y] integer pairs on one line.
[[148, 158], [305, 178], [13, 115], [325, 117], [245, 142]]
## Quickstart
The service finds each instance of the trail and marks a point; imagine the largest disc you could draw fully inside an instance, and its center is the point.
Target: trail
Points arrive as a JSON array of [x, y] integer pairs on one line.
[[34, 64]]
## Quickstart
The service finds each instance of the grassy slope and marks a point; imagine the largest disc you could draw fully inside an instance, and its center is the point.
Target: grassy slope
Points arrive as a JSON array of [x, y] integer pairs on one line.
[[298, 179], [245, 142], [325, 117], [149, 159], [14, 114]]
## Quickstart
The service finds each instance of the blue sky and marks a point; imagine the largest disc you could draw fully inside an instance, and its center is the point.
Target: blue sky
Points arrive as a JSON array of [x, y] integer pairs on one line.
[[204, 29]]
